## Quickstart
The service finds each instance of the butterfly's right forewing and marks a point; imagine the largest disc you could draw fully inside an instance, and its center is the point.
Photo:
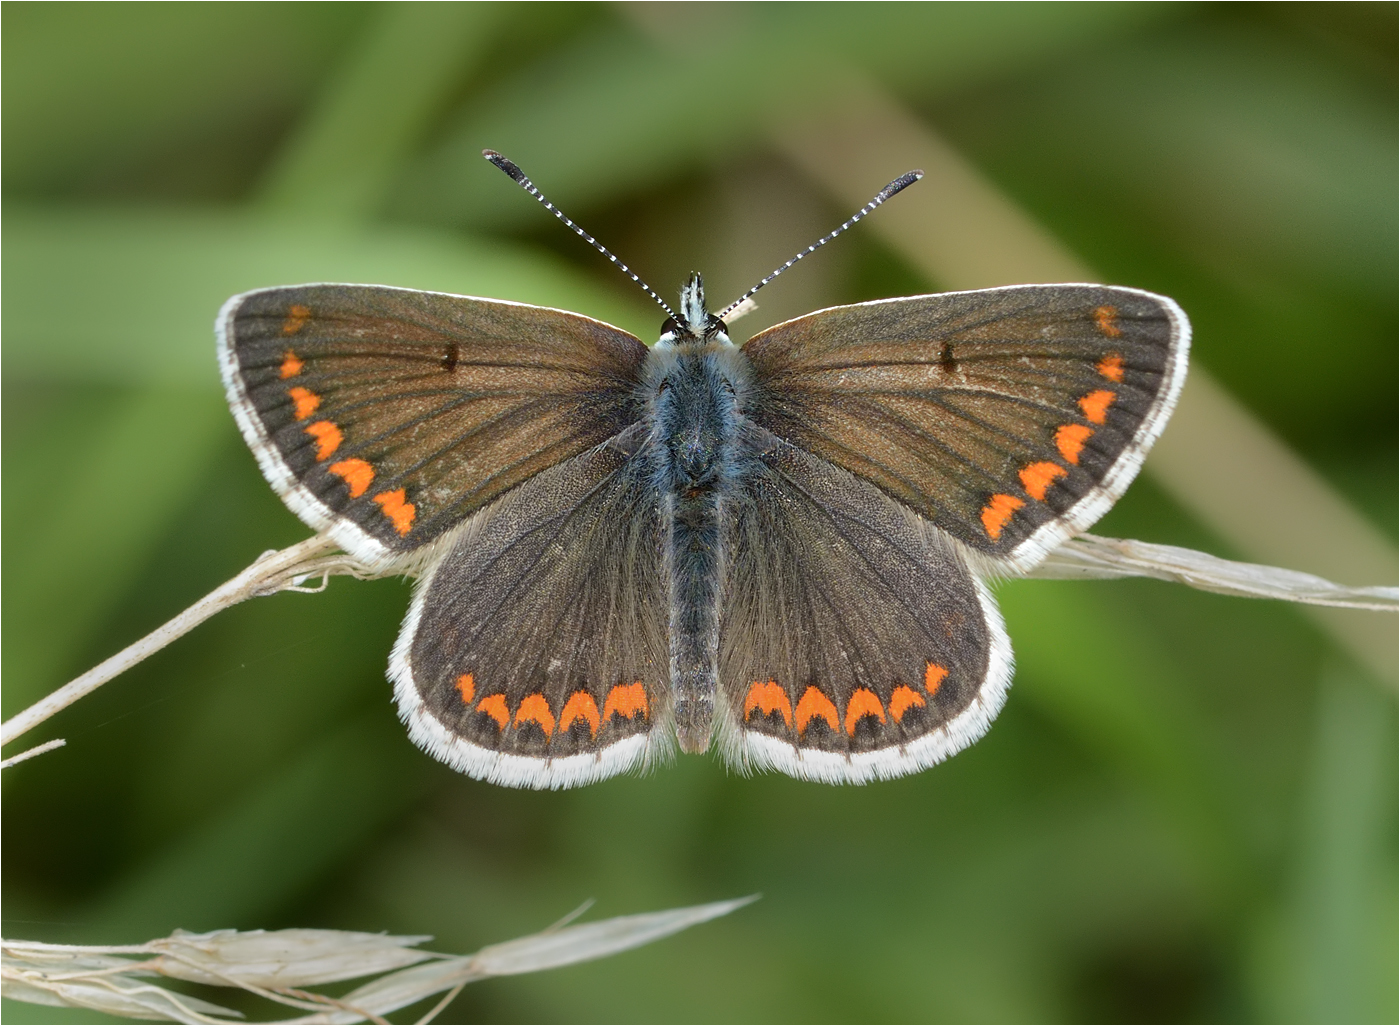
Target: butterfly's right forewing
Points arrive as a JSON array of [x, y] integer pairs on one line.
[[1012, 418]]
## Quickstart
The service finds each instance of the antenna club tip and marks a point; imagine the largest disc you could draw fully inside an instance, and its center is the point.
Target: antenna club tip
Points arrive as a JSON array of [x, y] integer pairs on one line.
[[504, 163], [899, 184]]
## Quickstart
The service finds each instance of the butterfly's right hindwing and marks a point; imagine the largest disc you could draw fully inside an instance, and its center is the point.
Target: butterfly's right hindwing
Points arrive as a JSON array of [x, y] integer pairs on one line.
[[855, 643], [535, 654]]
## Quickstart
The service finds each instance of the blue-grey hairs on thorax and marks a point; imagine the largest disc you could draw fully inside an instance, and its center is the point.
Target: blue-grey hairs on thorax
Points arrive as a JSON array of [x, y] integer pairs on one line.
[[694, 383]]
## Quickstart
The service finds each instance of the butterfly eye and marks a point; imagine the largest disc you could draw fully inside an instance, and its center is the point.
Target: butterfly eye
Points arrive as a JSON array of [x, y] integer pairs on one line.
[[665, 386]]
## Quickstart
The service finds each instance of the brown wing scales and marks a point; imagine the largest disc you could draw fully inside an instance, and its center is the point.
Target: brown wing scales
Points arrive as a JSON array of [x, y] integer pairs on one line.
[[994, 414], [542, 635], [849, 629], [406, 411]]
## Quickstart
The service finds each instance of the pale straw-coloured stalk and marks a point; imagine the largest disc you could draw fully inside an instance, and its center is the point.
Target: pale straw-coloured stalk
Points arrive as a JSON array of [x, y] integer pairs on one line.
[[1085, 557], [1089, 557], [279, 965]]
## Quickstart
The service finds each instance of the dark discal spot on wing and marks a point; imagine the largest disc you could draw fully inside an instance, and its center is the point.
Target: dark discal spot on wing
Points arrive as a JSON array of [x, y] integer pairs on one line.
[[554, 611], [846, 626], [990, 412], [406, 411]]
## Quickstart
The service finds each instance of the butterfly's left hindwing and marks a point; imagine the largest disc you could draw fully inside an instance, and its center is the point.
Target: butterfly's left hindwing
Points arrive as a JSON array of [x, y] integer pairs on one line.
[[387, 416], [855, 644], [535, 653]]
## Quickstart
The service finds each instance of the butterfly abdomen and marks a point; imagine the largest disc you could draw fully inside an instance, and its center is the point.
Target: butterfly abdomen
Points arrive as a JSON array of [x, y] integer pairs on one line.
[[693, 404]]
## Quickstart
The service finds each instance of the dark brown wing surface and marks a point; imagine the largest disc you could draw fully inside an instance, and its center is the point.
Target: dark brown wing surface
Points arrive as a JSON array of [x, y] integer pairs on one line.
[[387, 415], [535, 653], [854, 641], [1012, 418]]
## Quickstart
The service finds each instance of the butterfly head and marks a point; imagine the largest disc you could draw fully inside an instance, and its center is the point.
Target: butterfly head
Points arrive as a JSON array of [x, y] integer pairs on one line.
[[695, 324]]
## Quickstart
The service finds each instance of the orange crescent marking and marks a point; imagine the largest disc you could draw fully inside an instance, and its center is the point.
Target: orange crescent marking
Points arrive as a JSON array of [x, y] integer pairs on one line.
[[534, 709], [933, 676], [399, 511], [296, 317], [1111, 367], [626, 700], [1095, 405], [1104, 316], [1038, 477], [467, 686], [580, 706], [306, 401], [1069, 439], [357, 474], [863, 703], [813, 704], [495, 707], [328, 438], [901, 699], [291, 366], [768, 698], [997, 514]]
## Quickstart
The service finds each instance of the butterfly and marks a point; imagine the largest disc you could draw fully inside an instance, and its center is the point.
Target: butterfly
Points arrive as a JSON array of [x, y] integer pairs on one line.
[[778, 548]]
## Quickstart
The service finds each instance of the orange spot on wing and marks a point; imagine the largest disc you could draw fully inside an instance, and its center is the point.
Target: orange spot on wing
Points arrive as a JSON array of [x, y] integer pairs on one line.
[[814, 704], [768, 698], [1070, 438], [1038, 477], [580, 706], [357, 474], [534, 709], [933, 676], [1111, 367], [495, 707], [625, 700], [467, 686], [328, 438], [1104, 316], [1095, 405], [997, 514], [306, 401], [901, 699], [863, 703], [291, 366], [296, 317], [399, 511]]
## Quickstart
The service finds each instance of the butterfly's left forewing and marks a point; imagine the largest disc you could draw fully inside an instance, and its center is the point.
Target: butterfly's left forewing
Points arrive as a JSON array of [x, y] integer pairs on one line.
[[855, 643], [387, 416]]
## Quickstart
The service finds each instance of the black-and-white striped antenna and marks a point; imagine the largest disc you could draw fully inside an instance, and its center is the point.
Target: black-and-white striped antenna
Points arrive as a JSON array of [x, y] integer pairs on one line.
[[897, 186], [513, 169]]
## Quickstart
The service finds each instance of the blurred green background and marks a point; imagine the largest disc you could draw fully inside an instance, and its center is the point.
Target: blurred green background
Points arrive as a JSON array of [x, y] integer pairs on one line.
[[1187, 811]]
